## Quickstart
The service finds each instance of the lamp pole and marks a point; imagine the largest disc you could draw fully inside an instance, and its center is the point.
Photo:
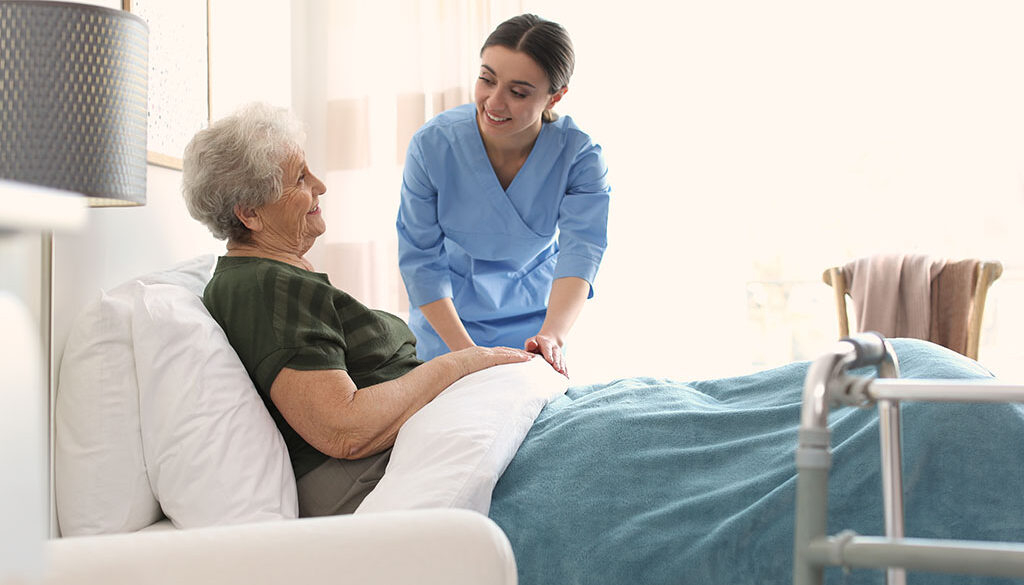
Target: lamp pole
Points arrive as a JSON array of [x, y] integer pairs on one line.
[[24, 437]]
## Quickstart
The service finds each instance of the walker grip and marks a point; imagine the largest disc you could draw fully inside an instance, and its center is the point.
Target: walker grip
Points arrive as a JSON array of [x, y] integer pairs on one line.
[[869, 349]]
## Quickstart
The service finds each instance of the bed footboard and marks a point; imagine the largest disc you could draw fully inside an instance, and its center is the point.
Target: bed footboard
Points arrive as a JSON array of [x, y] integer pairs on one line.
[[828, 382]]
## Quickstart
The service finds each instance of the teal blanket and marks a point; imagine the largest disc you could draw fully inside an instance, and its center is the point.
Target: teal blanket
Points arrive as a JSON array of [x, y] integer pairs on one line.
[[655, 481]]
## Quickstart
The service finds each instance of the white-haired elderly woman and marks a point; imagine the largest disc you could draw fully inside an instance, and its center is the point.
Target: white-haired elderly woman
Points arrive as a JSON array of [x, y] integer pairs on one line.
[[338, 378]]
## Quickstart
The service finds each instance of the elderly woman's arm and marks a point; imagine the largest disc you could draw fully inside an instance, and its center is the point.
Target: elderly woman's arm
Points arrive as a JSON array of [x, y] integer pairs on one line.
[[340, 420]]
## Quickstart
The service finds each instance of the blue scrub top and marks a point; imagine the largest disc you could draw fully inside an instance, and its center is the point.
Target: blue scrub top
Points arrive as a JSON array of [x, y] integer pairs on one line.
[[495, 252]]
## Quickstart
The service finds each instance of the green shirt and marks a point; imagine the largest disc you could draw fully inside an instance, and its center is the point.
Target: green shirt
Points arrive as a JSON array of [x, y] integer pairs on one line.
[[277, 315]]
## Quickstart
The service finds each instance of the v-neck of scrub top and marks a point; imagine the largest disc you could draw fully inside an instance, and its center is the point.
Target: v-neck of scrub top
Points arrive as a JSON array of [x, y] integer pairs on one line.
[[488, 178]]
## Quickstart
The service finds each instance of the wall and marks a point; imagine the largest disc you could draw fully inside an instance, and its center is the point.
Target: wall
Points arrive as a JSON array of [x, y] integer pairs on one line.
[[753, 144], [250, 59]]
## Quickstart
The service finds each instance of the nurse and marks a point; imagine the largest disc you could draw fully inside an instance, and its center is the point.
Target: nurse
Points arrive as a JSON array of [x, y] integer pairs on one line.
[[504, 208]]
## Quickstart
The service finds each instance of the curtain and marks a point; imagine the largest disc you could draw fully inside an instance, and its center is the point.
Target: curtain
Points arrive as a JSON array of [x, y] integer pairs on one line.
[[371, 73]]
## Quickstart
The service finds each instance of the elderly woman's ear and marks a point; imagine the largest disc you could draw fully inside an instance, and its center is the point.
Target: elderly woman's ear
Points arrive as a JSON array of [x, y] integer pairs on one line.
[[248, 217]]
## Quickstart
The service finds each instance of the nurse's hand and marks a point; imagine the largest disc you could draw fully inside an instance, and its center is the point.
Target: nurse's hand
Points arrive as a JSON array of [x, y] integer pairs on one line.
[[550, 349]]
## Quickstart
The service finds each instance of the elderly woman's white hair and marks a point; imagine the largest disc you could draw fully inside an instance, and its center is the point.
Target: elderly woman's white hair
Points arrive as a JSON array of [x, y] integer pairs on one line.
[[237, 162]]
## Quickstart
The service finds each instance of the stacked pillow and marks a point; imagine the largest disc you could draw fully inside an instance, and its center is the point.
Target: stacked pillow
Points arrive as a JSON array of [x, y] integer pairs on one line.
[[156, 416], [451, 452]]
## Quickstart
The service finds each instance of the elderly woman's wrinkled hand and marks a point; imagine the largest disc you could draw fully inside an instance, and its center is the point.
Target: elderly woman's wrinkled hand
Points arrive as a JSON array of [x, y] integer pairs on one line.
[[476, 358]]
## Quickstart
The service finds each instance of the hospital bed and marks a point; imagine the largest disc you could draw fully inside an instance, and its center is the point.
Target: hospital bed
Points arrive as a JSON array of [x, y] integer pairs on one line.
[[638, 480]]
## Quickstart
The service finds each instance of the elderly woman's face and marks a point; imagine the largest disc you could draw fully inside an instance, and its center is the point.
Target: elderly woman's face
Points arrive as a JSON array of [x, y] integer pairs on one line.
[[294, 220]]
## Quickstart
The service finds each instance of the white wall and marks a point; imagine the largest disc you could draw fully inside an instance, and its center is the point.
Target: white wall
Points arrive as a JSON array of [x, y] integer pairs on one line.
[[753, 144], [250, 59]]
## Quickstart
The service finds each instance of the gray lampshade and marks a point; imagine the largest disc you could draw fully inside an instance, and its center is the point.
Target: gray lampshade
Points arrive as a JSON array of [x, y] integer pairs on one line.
[[73, 107]]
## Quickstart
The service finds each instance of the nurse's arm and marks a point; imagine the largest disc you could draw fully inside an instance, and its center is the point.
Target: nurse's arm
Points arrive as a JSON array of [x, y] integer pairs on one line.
[[564, 305], [443, 317]]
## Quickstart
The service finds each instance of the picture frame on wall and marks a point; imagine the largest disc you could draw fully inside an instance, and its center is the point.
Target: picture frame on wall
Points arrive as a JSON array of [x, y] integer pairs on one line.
[[179, 74]]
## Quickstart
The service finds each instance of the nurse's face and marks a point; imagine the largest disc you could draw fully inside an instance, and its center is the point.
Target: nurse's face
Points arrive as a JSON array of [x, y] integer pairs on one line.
[[512, 92]]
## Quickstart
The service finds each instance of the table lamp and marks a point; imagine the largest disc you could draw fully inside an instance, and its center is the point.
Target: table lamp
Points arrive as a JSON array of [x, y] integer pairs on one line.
[[73, 117]]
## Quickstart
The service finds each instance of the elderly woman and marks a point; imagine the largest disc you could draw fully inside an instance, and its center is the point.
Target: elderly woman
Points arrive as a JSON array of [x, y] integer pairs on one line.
[[338, 378]]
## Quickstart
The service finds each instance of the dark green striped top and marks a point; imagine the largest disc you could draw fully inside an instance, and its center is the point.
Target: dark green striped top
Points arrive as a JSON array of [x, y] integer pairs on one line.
[[277, 315]]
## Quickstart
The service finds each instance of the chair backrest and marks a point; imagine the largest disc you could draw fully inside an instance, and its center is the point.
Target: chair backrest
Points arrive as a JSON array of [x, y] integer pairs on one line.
[[986, 273]]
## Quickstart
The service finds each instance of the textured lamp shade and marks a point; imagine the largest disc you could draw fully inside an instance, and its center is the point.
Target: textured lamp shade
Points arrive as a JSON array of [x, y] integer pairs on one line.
[[73, 81]]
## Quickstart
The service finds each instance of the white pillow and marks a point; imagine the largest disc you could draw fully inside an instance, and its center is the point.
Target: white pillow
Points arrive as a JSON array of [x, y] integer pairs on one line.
[[213, 454], [100, 474], [99, 471], [451, 453]]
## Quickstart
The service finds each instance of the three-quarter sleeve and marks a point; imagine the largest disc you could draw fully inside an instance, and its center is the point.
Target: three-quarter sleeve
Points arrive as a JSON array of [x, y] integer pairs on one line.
[[583, 216], [421, 255]]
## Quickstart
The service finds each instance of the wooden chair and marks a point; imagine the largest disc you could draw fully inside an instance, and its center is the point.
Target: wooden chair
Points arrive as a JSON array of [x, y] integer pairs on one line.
[[987, 272]]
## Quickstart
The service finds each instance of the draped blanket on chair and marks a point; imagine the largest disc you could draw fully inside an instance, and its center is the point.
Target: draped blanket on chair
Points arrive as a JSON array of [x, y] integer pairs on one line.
[[913, 295]]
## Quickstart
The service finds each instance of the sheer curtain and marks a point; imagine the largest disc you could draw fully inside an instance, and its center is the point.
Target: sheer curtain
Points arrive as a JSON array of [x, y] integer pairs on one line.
[[371, 73]]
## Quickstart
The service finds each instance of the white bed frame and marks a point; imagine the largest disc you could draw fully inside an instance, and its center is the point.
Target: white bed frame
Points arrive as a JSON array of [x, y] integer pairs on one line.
[[828, 382], [430, 547]]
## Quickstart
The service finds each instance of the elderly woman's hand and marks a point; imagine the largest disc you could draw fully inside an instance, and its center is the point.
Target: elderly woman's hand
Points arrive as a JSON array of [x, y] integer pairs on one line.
[[476, 358]]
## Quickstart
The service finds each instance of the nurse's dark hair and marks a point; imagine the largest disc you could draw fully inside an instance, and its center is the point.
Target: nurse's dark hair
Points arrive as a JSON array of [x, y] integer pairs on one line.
[[544, 41]]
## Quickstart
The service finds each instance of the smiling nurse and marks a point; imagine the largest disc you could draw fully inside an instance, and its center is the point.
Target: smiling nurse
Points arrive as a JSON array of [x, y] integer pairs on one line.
[[504, 208]]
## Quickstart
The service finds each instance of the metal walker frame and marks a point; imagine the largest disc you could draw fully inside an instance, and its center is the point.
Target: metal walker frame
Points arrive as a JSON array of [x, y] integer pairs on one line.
[[828, 382]]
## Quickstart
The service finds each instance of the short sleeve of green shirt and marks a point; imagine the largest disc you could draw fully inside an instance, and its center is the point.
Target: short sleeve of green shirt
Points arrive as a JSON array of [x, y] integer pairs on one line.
[[277, 315]]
